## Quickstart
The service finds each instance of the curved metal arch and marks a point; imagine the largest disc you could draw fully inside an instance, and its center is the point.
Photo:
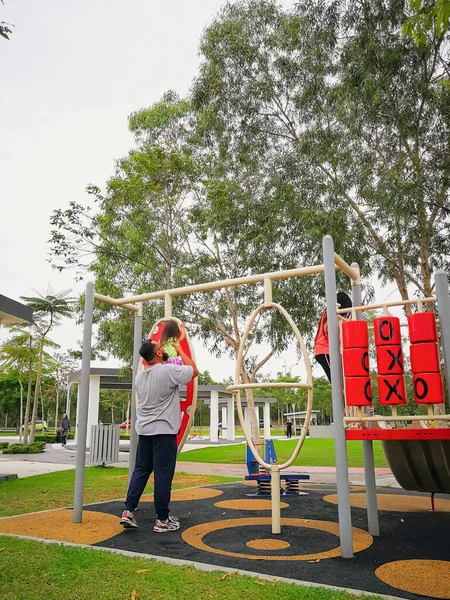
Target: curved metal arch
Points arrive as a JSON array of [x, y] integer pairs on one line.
[[237, 386]]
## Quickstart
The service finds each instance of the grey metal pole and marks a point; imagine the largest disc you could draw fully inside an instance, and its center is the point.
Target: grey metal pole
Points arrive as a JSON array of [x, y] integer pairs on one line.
[[369, 464], [443, 302], [83, 405], [340, 448], [136, 345], [68, 400]]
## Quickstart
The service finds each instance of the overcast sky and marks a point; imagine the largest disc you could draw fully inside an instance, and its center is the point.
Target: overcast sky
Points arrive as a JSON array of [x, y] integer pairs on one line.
[[70, 75]]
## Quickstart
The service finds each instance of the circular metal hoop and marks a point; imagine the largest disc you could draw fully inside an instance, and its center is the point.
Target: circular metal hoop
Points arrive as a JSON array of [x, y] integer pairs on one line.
[[237, 387]]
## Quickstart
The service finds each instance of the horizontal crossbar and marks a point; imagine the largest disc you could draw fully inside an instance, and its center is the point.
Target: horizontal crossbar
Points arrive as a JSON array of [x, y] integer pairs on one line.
[[279, 384]]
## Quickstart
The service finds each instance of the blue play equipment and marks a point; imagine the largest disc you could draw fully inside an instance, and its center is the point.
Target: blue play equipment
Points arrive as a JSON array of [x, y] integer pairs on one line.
[[262, 477]]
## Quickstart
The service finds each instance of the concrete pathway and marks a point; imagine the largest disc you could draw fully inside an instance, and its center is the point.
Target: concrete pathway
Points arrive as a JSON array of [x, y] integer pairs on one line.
[[56, 458]]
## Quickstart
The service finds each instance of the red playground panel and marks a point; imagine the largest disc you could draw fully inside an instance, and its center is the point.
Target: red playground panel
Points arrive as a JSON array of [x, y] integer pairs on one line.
[[413, 433], [187, 405]]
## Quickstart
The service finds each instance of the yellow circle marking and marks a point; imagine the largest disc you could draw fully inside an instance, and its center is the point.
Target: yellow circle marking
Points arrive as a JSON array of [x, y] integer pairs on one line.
[[189, 494], [57, 525], [194, 537], [396, 502], [267, 544], [429, 578], [248, 504]]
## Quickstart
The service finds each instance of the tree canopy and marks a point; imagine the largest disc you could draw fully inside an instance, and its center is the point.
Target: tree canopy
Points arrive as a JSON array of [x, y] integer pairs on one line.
[[307, 120]]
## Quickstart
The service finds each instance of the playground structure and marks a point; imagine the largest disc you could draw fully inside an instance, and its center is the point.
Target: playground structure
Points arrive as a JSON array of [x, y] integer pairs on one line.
[[331, 262]]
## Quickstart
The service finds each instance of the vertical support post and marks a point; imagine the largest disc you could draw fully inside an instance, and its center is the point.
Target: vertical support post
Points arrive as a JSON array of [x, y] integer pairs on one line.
[[267, 292], [94, 401], [137, 340], [167, 306], [266, 420], [443, 302], [369, 464], [275, 483], [214, 417], [340, 447], [68, 400], [231, 432], [224, 421], [77, 413], [83, 405]]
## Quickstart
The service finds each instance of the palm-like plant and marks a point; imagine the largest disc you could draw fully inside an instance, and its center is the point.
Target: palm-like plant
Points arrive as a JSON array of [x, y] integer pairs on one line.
[[48, 310], [19, 354]]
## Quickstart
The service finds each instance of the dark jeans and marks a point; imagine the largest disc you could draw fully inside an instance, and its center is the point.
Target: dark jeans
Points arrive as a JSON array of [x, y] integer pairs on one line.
[[158, 454], [324, 362], [289, 432]]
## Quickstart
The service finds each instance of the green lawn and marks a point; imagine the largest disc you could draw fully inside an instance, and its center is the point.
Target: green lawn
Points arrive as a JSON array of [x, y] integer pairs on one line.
[[55, 490], [315, 453], [33, 570]]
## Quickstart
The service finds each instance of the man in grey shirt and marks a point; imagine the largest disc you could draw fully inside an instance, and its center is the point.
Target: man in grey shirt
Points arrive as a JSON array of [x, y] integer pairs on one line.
[[158, 419]]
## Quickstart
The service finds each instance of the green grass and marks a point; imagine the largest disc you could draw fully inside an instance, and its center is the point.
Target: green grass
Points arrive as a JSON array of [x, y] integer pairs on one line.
[[315, 453], [32, 570], [55, 490]]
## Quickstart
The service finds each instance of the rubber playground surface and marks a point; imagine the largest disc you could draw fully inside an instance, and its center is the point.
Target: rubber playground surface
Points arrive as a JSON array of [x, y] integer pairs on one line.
[[224, 526]]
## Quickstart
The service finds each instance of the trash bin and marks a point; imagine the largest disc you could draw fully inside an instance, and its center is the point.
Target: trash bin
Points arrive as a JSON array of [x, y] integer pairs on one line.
[[104, 448]]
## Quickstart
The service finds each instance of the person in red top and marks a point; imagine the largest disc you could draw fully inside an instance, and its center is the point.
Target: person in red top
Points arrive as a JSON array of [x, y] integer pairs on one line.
[[321, 346]]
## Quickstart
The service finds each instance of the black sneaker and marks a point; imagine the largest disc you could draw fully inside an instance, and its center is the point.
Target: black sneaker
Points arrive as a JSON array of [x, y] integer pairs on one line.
[[127, 520]]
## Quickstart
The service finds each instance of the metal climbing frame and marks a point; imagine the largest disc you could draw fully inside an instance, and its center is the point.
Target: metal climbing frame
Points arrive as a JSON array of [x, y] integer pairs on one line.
[[134, 303], [367, 435]]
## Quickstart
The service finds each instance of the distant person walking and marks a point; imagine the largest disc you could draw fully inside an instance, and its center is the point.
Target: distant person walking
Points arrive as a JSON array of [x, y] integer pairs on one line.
[[65, 428], [289, 428]]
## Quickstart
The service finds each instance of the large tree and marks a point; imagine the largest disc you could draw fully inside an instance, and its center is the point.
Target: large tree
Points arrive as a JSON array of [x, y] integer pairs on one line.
[[348, 120]]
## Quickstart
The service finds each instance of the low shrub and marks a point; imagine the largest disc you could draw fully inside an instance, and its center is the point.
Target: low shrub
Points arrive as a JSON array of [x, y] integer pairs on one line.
[[4, 445], [34, 448], [49, 438]]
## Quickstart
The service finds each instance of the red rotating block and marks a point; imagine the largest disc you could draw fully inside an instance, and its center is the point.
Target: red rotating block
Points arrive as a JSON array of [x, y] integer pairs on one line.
[[356, 362], [358, 391], [428, 388], [425, 358], [387, 331], [422, 327], [391, 389], [390, 360], [355, 334]]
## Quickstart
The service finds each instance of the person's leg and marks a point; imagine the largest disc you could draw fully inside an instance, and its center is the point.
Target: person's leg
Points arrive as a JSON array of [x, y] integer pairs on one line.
[[324, 362], [164, 459], [142, 471]]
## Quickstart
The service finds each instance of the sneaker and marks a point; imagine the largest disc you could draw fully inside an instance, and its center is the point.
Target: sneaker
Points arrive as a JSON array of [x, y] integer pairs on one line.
[[170, 524], [127, 520]]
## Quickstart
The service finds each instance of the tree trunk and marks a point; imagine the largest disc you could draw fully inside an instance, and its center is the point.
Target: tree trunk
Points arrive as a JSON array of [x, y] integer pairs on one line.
[[254, 425], [27, 407], [37, 390], [57, 406], [21, 412]]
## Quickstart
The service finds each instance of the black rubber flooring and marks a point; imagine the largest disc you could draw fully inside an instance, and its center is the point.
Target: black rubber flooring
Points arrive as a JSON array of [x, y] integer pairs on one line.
[[404, 536]]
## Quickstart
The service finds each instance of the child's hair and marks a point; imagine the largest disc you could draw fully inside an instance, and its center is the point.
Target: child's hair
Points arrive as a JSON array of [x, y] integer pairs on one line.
[[344, 300], [171, 330]]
